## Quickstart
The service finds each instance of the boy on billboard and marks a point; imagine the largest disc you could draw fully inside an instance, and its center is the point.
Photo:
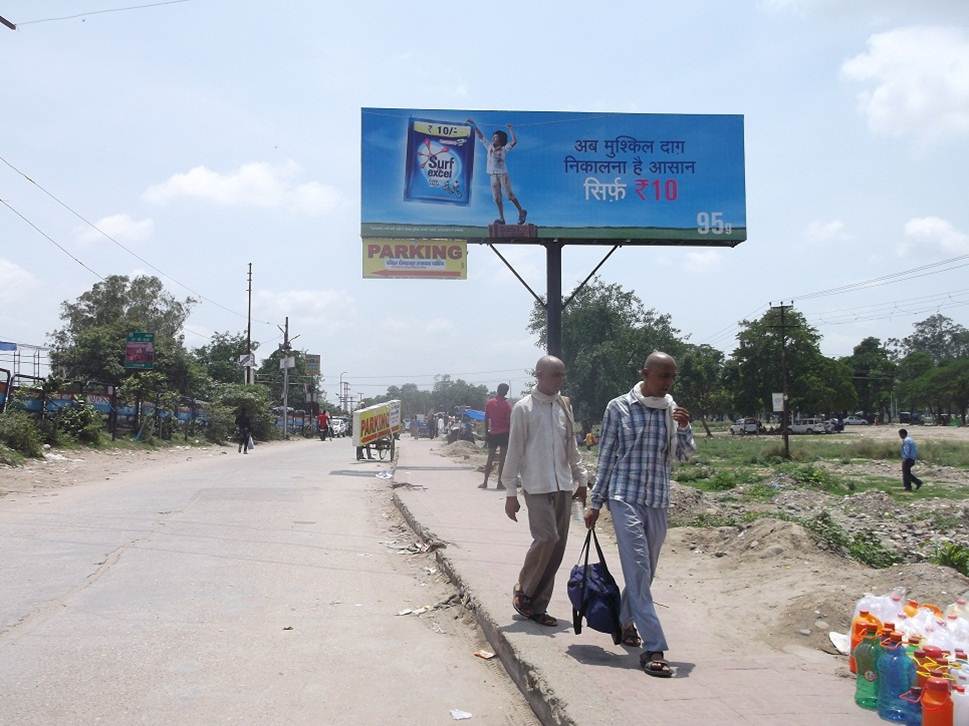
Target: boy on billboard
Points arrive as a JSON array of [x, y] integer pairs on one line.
[[498, 149]]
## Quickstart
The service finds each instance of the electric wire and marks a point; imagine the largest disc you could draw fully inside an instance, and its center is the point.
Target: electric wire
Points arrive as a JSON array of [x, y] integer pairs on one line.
[[53, 241], [102, 12], [131, 252]]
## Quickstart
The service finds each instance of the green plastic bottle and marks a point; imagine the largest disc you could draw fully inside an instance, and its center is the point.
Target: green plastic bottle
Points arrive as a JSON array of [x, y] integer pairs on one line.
[[866, 656]]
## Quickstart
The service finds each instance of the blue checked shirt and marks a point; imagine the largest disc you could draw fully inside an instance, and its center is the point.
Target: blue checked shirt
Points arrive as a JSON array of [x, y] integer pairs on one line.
[[634, 465], [909, 449]]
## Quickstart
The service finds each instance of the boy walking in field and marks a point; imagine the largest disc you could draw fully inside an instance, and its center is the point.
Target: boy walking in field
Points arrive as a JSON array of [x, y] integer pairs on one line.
[[498, 149]]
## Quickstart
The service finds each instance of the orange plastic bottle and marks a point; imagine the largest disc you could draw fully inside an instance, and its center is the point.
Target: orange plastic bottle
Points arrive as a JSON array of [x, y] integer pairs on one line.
[[911, 607], [858, 626], [936, 703]]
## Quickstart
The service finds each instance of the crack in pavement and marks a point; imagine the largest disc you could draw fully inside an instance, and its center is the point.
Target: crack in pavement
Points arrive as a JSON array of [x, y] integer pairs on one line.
[[46, 610]]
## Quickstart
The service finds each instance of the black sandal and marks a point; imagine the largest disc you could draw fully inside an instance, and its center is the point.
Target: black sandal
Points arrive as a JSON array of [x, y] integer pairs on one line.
[[545, 619], [630, 636], [522, 604], [655, 665]]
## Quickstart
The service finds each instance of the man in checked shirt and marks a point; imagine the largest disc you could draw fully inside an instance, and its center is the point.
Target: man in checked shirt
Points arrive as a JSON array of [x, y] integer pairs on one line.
[[641, 432]]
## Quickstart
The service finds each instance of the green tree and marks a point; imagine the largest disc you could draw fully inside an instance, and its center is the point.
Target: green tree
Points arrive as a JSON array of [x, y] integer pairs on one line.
[[754, 370], [607, 333], [700, 383], [271, 375], [952, 379], [940, 337], [91, 344], [873, 373], [220, 356]]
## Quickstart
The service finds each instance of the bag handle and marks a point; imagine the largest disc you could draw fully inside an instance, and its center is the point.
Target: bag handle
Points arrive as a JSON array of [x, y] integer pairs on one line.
[[577, 615]]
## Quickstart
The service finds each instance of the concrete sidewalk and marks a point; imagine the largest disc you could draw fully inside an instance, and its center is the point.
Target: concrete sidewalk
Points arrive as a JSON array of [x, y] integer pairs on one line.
[[585, 679]]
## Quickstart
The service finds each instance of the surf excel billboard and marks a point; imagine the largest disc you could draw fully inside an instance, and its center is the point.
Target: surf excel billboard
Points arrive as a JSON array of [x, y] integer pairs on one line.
[[529, 176]]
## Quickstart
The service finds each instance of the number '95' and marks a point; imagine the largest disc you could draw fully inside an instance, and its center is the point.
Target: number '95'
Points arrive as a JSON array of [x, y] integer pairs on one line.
[[712, 223]]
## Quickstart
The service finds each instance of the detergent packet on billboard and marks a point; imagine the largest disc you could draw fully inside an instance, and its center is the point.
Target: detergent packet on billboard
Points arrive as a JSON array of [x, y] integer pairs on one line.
[[440, 161]]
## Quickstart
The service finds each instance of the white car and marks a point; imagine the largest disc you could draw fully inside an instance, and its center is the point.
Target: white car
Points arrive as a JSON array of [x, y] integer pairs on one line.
[[811, 426], [856, 421], [745, 426]]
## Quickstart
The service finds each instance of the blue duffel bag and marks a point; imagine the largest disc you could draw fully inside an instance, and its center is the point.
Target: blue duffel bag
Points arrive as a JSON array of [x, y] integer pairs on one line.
[[594, 594]]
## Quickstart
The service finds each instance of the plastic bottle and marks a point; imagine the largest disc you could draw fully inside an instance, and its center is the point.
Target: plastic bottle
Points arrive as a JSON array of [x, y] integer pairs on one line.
[[910, 608], [859, 626], [936, 703], [896, 674], [866, 658], [960, 706]]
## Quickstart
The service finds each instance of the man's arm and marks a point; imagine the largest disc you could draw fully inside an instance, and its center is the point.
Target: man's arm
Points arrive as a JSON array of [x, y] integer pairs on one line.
[[516, 450], [607, 451]]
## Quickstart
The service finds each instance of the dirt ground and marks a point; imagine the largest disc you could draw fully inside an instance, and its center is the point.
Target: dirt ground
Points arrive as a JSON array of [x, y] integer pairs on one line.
[[68, 467]]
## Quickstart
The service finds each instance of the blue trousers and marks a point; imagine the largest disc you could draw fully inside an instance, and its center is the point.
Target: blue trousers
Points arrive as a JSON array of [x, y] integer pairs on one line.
[[640, 532]]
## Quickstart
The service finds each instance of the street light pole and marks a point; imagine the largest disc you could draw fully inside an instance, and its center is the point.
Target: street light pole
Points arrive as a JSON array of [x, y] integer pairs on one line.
[[343, 399]]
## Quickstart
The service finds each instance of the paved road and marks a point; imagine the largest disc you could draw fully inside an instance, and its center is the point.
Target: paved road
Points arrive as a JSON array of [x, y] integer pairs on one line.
[[230, 589]]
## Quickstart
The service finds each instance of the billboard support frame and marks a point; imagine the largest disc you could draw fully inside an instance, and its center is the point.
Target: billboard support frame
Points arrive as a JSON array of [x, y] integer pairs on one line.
[[553, 285]]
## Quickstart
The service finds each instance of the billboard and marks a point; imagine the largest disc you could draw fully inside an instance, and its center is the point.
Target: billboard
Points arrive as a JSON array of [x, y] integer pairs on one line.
[[536, 175], [312, 364], [415, 259], [139, 351], [376, 422]]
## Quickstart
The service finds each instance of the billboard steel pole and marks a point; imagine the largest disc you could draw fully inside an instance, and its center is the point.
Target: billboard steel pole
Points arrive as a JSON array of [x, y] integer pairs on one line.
[[553, 297]]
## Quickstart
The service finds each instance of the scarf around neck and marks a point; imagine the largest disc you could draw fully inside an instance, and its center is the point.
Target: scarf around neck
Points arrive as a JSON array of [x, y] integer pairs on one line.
[[662, 403]]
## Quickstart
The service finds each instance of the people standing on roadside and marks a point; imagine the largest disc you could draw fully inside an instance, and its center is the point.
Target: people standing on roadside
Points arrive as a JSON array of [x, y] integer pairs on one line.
[[910, 453], [641, 433], [244, 427], [323, 424], [542, 454], [497, 425]]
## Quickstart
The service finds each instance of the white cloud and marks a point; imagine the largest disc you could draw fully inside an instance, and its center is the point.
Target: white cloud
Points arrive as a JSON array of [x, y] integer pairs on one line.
[[256, 184], [324, 310], [122, 227], [918, 81], [15, 282], [826, 231], [920, 231], [418, 328], [703, 260]]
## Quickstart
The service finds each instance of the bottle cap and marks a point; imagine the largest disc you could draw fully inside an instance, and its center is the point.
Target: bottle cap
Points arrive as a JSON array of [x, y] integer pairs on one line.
[[914, 639], [871, 628], [961, 654], [895, 637], [937, 684]]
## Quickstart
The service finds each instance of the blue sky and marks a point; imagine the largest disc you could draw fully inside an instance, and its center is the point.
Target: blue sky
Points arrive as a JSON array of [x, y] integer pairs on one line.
[[209, 134]]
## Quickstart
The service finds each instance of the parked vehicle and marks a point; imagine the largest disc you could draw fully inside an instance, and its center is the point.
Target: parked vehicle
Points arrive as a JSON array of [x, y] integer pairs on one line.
[[837, 425], [906, 417], [855, 421], [338, 426], [743, 426], [811, 426]]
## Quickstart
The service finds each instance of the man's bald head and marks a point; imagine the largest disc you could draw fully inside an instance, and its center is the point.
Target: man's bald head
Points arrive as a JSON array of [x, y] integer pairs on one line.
[[550, 373], [659, 358], [659, 372]]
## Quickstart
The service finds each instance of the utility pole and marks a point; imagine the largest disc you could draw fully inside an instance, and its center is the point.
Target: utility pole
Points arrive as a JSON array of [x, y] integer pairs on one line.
[[285, 365], [249, 330], [785, 416]]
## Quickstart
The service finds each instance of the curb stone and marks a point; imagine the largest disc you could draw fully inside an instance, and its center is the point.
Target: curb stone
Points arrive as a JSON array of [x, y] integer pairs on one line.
[[547, 706]]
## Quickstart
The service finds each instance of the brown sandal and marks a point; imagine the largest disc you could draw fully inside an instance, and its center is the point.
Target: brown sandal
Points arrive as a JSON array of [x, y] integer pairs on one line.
[[630, 636], [655, 665]]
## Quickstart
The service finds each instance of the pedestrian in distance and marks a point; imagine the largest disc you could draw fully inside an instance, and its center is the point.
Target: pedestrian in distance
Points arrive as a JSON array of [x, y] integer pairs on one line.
[[497, 426], [544, 459], [497, 167], [642, 431], [910, 453], [244, 428]]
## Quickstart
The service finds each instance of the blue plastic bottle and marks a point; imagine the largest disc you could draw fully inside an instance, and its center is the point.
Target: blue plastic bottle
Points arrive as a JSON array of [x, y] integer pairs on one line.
[[896, 672]]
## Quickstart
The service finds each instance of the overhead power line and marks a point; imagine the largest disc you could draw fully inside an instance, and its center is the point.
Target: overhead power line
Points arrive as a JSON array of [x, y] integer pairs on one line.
[[131, 252], [50, 239], [104, 11], [909, 274]]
